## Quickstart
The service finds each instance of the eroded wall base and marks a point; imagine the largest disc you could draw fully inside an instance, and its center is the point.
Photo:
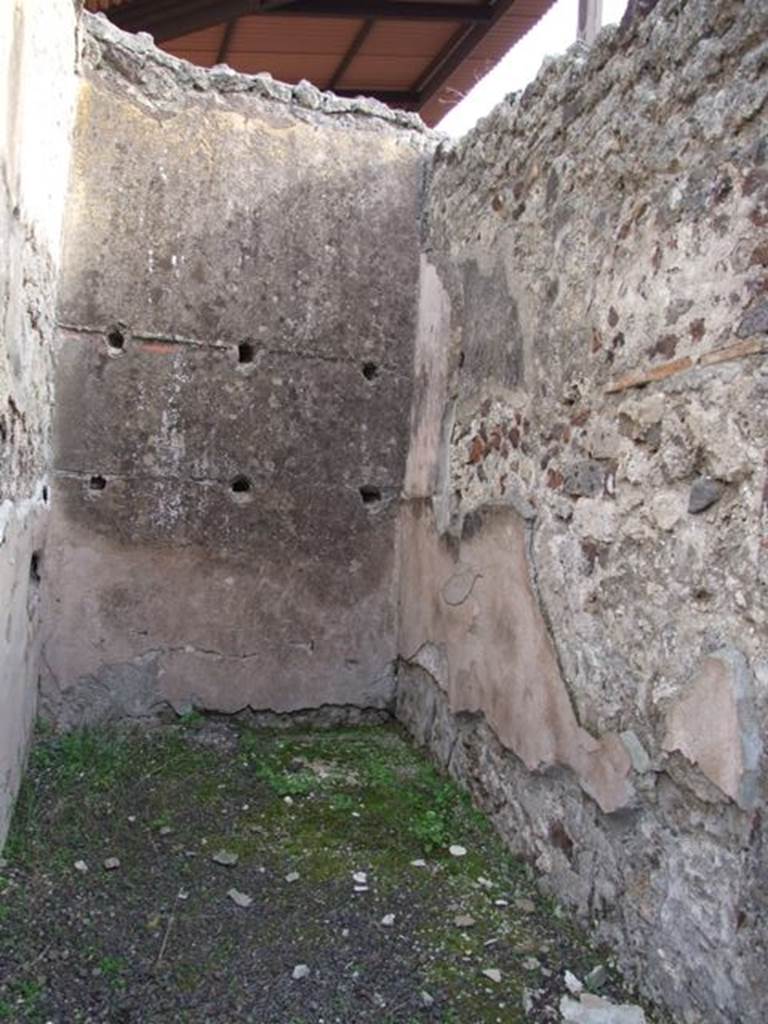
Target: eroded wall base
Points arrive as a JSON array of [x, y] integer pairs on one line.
[[591, 362], [672, 883]]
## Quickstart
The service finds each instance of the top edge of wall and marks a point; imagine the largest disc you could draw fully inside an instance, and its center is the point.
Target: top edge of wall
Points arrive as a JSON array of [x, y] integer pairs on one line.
[[562, 80], [161, 76]]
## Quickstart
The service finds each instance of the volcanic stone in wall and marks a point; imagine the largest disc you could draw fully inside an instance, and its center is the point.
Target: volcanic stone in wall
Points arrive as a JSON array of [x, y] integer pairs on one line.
[[597, 288]]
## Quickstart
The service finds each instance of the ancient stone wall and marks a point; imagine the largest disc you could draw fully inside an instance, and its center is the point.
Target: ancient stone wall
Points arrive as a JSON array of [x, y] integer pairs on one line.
[[37, 66], [234, 364], [584, 547], [567, 548]]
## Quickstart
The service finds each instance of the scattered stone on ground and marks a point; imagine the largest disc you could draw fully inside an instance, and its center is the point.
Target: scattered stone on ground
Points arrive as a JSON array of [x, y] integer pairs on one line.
[[111, 863], [81, 866], [591, 1009], [226, 858], [301, 971], [572, 983], [240, 898], [596, 978], [410, 948], [464, 921], [457, 851]]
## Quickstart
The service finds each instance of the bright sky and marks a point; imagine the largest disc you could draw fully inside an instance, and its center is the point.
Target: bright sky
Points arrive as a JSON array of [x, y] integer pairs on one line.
[[552, 35]]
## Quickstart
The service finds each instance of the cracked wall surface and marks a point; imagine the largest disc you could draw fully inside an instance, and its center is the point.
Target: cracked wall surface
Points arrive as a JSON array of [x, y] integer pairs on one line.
[[583, 582], [37, 61], [234, 372]]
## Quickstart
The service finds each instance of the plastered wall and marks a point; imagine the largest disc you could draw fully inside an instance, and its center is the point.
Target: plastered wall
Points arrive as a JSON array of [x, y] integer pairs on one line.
[[37, 70], [234, 369], [583, 583]]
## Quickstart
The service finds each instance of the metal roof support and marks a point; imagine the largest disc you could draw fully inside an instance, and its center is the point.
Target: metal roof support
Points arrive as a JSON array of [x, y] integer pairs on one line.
[[351, 53], [590, 20]]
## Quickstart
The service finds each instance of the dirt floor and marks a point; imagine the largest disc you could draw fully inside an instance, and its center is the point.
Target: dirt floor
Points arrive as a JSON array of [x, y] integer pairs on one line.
[[345, 903]]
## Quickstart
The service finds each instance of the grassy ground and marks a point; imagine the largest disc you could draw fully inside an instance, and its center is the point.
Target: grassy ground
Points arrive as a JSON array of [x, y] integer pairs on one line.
[[158, 940]]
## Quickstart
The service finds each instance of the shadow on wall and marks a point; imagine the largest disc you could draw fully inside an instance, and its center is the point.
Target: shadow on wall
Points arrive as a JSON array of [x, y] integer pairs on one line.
[[234, 365]]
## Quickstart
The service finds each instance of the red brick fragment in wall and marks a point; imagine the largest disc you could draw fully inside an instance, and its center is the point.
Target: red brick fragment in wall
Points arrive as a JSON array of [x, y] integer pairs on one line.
[[477, 450]]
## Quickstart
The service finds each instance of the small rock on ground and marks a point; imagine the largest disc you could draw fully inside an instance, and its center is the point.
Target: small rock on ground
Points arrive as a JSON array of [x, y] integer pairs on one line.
[[596, 978], [464, 921], [240, 898], [457, 851], [226, 858], [572, 983], [591, 1009], [300, 971], [493, 974], [111, 863]]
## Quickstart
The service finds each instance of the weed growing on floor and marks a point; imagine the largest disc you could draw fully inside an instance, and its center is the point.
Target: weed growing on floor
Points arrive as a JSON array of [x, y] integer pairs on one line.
[[160, 941]]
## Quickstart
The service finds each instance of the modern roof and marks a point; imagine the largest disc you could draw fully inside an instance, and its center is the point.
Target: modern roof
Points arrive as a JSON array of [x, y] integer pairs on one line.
[[414, 54]]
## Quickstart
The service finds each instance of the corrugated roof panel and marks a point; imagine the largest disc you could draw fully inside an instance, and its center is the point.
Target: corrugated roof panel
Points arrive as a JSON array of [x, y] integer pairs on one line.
[[206, 39], [205, 58], [294, 35], [288, 67], [408, 38], [371, 73], [394, 55]]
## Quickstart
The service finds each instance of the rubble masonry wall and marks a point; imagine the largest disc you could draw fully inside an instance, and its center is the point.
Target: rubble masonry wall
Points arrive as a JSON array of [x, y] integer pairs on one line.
[[584, 548]]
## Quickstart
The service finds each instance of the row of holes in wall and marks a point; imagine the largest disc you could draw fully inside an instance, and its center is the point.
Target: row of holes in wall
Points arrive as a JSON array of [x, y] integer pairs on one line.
[[246, 352], [241, 489]]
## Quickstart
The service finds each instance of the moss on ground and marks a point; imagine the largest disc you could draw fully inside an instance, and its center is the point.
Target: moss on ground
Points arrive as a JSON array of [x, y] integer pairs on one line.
[[158, 939]]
